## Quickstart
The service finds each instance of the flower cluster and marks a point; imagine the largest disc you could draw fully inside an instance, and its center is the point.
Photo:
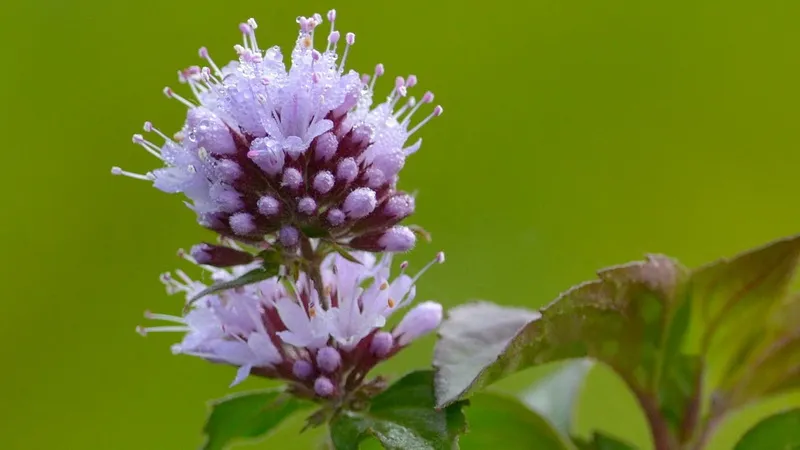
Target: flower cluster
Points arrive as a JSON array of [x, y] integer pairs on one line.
[[275, 154], [296, 169], [323, 339]]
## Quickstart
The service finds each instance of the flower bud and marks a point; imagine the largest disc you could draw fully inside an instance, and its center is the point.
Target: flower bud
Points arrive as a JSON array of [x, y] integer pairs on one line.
[[328, 359], [289, 236], [399, 206], [360, 203], [268, 206], [207, 130], [268, 155], [381, 344], [302, 369], [420, 321], [326, 147], [324, 387], [261, 148], [242, 224], [395, 239], [219, 256]]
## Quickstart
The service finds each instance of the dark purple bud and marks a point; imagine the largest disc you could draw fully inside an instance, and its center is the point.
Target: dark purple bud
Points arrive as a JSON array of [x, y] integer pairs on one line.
[[219, 256]]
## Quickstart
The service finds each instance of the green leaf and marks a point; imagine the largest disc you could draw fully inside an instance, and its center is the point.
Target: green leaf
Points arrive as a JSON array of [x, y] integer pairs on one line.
[[344, 253], [402, 417], [601, 441], [270, 257], [622, 319], [777, 358], [314, 231], [733, 300], [497, 421], [778, 432], [255, 275], [470, 339], [247, 415], [555, 396]]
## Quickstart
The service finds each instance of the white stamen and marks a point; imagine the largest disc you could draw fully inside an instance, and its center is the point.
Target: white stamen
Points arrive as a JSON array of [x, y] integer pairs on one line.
[[184, 277], [350, 39], [148, 127], [166, 329], [427, 98], [245, 29], [178, 350], [185, 255], [436, 112], [171, 94], [439, 259], [332, 20], [412, 102], [147, 145], [203, 52], [378, 73], [164, 317], [118, 171], [398, 92]]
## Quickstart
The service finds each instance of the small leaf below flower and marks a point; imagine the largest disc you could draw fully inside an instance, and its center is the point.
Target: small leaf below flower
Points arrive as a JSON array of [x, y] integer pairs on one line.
[[343, 252], [254, 276], [247, 415], [402, 417]]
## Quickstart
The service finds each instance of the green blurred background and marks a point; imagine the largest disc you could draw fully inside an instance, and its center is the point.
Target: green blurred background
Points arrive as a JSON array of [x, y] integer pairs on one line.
[[576, 134]]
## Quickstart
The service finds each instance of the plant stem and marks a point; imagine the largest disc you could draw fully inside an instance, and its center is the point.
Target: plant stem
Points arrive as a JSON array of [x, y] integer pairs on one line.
[[313, 260], [691, 415], [659, 428]]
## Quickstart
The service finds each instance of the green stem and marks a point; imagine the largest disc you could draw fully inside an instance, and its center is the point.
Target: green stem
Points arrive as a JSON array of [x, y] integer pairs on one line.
[[312, 263], [659, 428], [692, 413]]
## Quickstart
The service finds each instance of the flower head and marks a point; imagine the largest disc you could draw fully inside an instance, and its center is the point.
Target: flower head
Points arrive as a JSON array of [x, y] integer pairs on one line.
[[272, 152], [322, 338]]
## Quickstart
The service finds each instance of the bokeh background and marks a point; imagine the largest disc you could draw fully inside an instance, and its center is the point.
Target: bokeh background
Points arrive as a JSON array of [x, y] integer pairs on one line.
[[576, 134]]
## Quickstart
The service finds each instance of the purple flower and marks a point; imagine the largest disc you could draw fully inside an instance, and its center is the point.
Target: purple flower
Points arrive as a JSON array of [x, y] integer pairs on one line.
[[266, 146], [325, 338]]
